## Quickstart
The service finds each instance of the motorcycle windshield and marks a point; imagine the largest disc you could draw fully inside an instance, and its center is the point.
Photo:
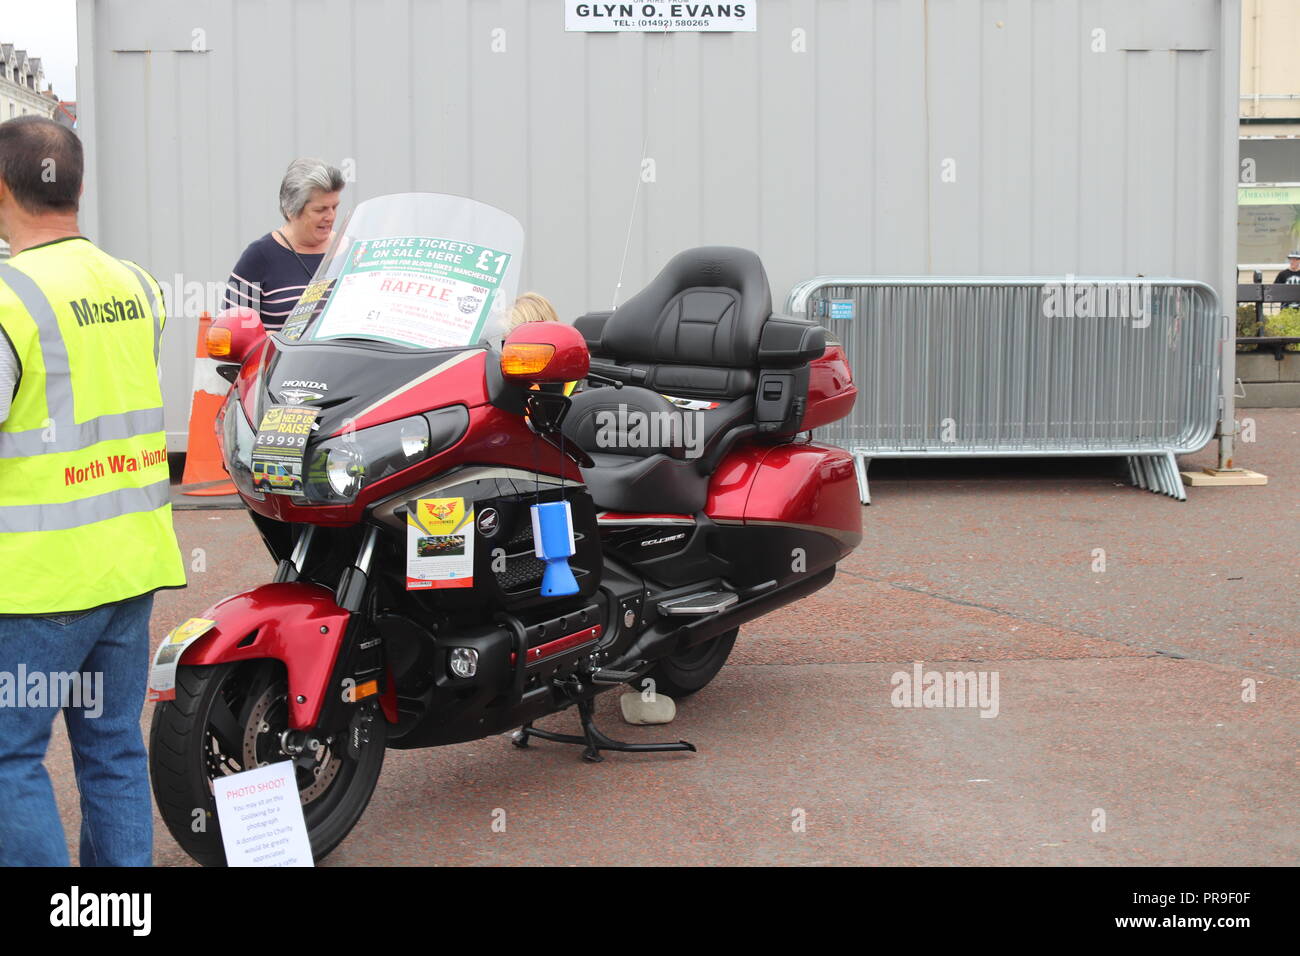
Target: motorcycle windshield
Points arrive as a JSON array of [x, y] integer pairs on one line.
[[413, 271]]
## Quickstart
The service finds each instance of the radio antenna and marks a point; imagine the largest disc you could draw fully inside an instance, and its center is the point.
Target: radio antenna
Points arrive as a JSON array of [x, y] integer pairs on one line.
[[645, 145]]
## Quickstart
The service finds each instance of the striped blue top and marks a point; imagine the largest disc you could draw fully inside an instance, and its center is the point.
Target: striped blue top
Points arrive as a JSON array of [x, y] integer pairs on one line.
[[269, 279]]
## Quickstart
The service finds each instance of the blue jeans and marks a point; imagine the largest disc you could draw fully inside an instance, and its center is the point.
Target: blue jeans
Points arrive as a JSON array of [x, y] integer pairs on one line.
[[109, 646]]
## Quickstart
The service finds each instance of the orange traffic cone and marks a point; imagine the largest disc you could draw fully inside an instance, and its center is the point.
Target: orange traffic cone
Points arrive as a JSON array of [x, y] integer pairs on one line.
[[204, 468]]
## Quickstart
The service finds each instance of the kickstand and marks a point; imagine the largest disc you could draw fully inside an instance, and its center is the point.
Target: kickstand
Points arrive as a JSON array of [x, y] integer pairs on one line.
[[593, 738]]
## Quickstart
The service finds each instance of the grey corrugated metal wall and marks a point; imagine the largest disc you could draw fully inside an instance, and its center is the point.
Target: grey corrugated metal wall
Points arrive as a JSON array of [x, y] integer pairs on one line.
[[830, 160]]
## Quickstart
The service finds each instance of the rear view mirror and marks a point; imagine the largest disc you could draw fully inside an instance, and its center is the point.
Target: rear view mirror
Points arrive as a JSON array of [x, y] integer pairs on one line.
[[541, 352], [234, 334]]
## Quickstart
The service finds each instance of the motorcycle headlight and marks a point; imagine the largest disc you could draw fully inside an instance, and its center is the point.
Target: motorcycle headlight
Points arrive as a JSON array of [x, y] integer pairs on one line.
[[340, 467], [237, 437], [344, 470]]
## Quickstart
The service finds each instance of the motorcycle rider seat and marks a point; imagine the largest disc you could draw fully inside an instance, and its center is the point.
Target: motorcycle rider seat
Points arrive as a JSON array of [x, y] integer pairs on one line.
[[693, 333]]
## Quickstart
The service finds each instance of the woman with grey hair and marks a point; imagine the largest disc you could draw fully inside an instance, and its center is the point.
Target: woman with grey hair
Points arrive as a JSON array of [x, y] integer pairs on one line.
[[271, 274]]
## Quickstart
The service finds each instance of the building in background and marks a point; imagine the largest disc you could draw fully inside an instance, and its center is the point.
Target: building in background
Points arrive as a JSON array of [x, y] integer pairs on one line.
[[1268, 197], [66, 113], [22, 85]]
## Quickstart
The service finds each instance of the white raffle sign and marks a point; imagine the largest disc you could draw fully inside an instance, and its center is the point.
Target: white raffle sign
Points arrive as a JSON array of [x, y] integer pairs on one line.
[[653, 16]]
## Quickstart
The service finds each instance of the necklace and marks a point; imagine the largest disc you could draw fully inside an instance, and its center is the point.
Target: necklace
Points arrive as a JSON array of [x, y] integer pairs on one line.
[[305, 268]]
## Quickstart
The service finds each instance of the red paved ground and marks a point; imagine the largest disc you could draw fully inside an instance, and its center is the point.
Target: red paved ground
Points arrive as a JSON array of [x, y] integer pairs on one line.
[[1119, 692]]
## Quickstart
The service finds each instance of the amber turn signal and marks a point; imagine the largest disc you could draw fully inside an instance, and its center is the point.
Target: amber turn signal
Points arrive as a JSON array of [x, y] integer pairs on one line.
[[218, 342], [525, 358]]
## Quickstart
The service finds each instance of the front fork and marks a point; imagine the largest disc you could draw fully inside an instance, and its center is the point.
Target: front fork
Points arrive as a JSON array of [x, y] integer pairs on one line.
[[290, 568], [360, 677]]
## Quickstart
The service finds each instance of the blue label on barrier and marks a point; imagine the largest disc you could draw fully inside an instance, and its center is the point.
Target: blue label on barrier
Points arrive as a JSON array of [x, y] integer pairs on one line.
[[841, 308]]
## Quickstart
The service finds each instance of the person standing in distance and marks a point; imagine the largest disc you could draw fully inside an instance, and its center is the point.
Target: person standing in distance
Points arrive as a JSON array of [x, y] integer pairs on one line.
[[1290, 275], [86, 531]]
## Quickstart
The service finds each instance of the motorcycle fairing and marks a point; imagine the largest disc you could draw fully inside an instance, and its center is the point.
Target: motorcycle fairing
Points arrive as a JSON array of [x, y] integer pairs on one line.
[[296, 623], [493, 436], [507, 575]]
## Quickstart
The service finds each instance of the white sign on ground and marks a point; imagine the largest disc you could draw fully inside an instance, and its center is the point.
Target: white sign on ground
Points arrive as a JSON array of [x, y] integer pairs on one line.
[[261, 817]]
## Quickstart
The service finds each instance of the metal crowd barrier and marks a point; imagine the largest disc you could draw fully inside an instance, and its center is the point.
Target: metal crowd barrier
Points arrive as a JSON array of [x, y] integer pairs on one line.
[[1024, 366]]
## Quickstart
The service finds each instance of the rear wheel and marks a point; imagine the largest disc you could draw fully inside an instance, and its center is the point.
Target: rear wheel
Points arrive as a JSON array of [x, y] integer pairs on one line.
[[229, 718], [685, 672]]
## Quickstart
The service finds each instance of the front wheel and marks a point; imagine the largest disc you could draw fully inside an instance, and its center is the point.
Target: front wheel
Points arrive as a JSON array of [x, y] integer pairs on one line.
[[683, 673], [229, 718]]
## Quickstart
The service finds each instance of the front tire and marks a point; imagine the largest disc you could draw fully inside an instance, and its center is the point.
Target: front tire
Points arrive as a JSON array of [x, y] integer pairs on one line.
[[682, 674], [228, 718]]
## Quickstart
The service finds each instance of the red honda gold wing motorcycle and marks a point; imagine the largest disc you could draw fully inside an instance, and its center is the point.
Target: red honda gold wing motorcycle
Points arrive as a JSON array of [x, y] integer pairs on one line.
[[462, 548]]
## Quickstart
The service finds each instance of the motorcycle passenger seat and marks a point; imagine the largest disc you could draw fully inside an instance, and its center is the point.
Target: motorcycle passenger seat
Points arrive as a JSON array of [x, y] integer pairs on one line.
[[692, 333]]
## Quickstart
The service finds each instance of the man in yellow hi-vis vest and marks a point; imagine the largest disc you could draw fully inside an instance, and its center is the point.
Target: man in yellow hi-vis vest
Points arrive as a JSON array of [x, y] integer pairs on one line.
[[85, 525]]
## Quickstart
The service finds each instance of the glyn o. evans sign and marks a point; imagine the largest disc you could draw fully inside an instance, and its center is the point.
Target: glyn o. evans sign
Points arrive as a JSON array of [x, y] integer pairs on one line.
[[660, 15]]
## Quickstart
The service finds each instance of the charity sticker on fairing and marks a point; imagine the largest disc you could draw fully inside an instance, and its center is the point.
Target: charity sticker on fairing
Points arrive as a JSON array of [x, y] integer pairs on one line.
[[310, 304], [417, 291], [439, 544], [162, 676], [279, 448]]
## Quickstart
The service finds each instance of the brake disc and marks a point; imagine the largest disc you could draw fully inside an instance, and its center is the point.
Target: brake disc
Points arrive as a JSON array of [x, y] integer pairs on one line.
[[259, 730]]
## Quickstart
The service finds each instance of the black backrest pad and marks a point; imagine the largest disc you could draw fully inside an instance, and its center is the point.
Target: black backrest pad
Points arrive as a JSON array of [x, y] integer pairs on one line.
[[789, 342], [705, 308], [591, 326]]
